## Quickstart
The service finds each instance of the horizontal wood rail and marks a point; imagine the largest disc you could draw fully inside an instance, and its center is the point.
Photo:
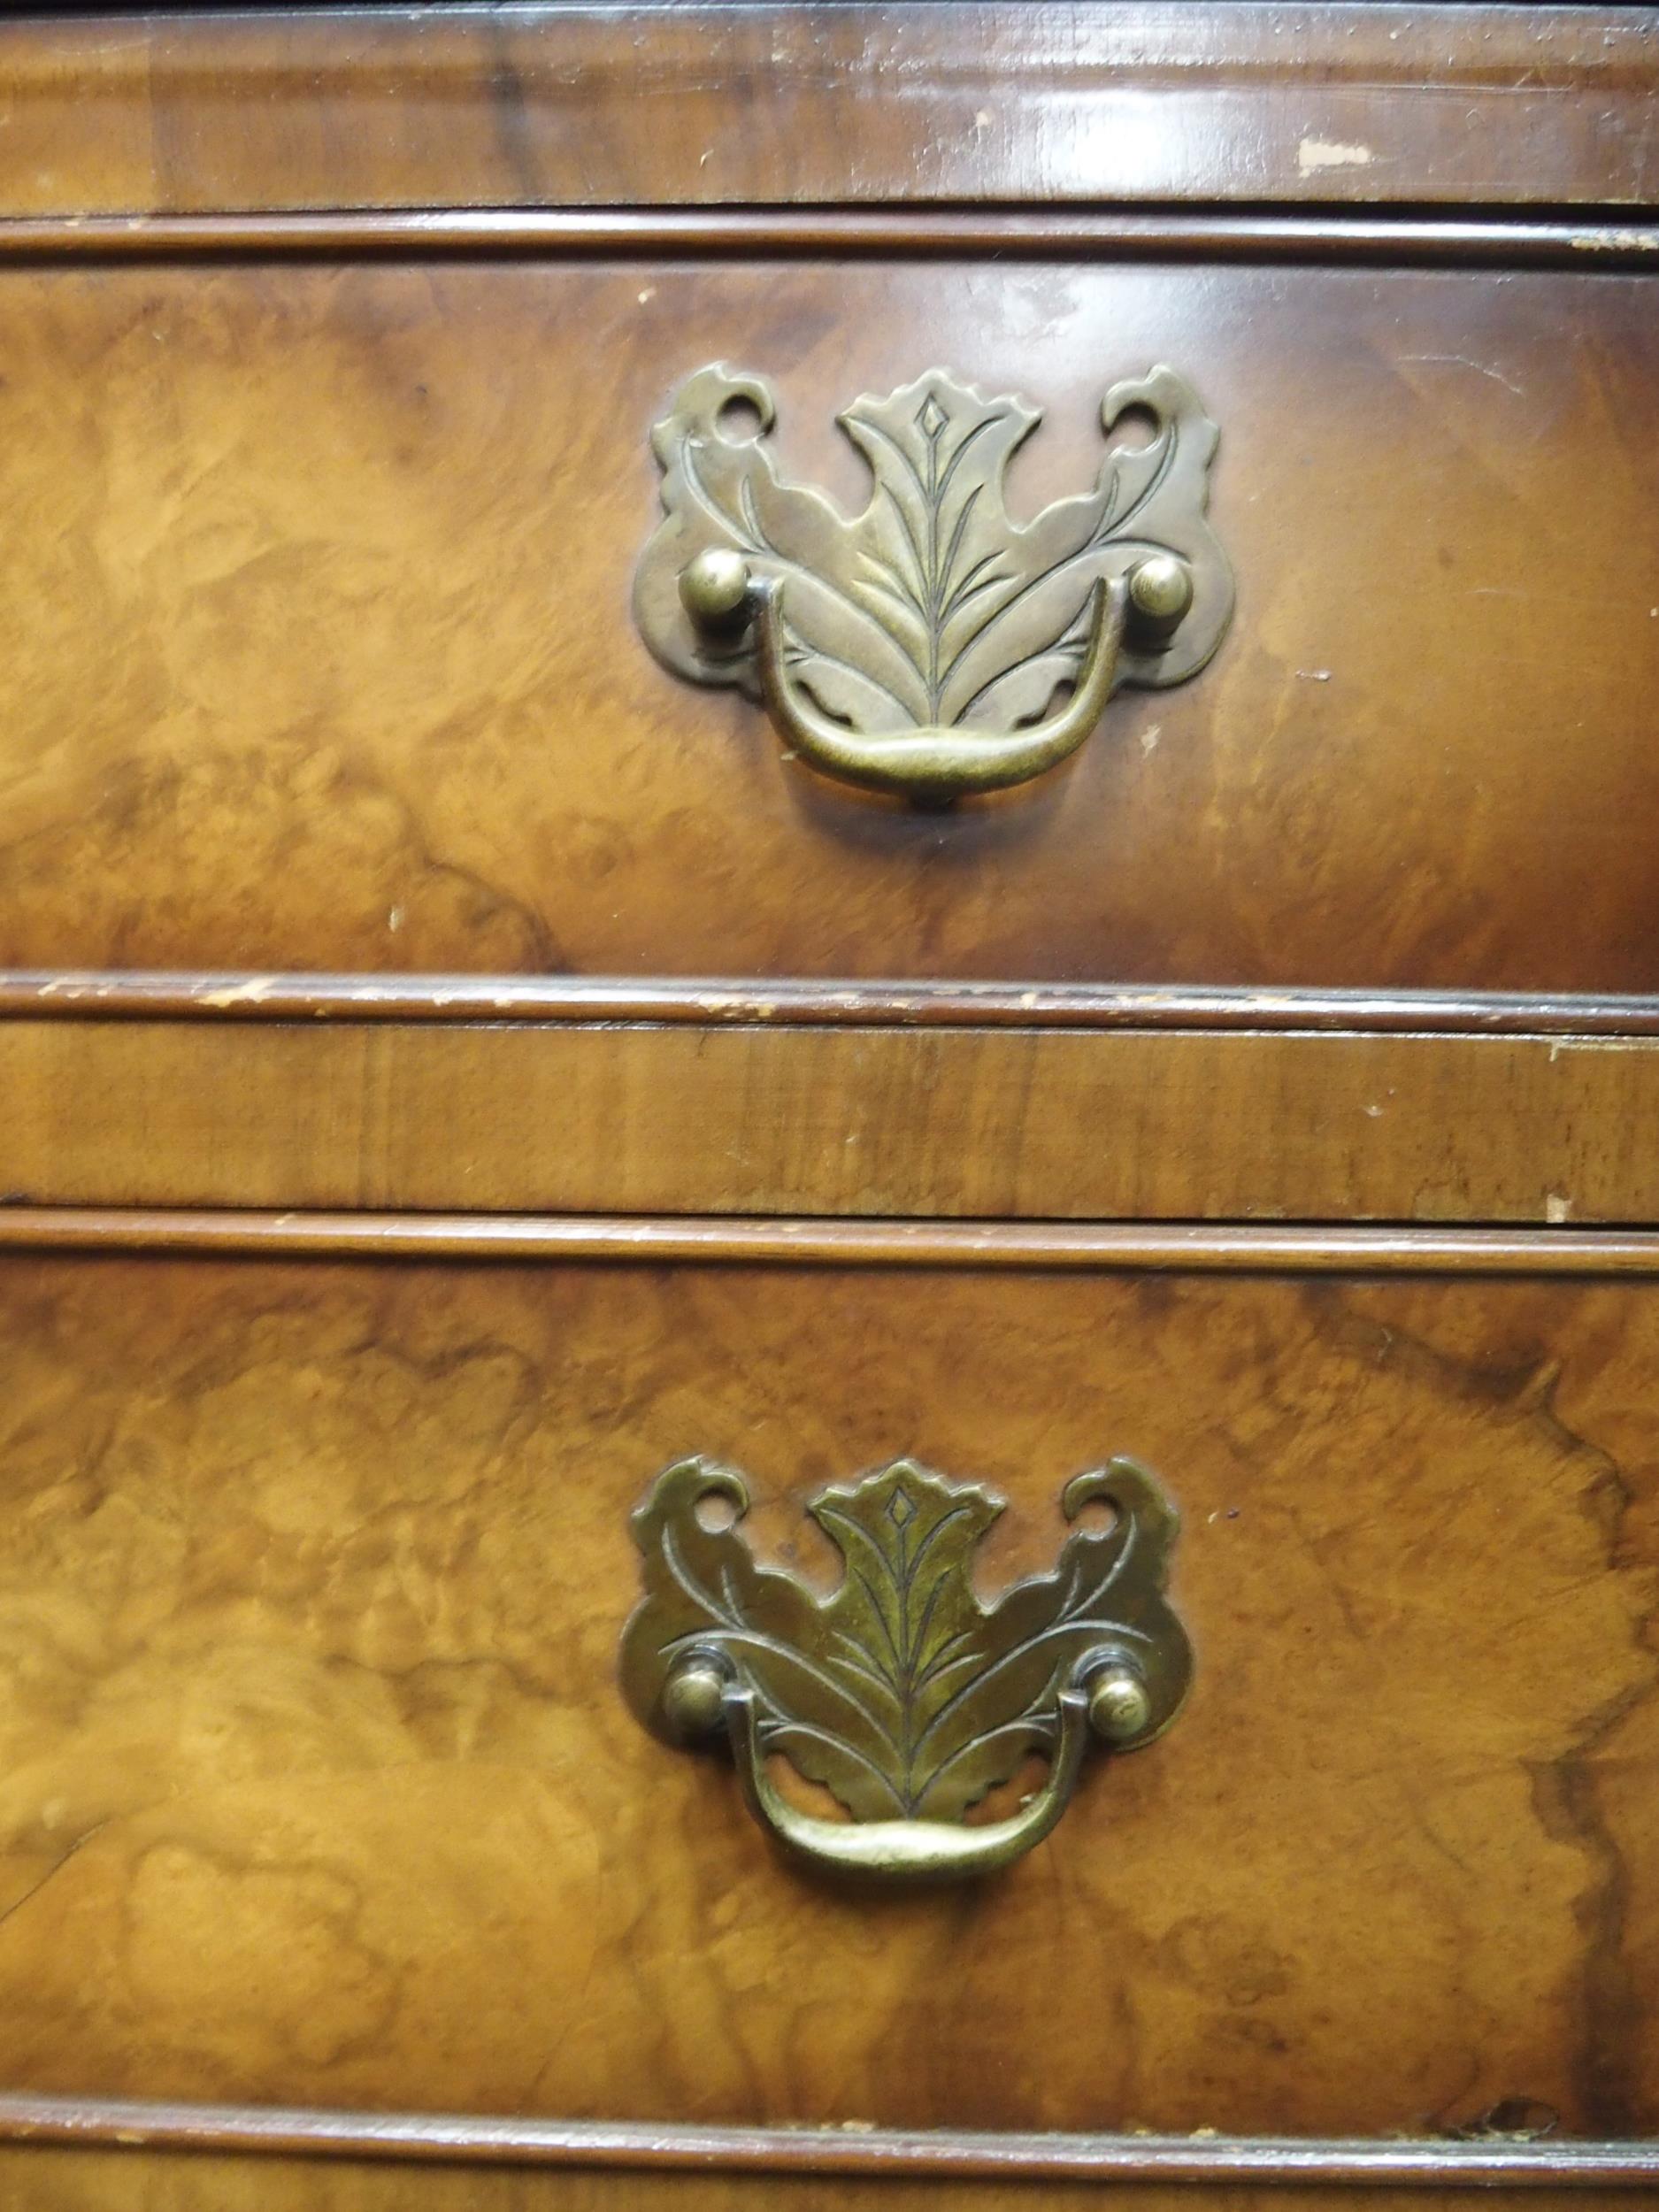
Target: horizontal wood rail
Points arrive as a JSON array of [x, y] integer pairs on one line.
[[934, 233], [1130, 1246], [645, 2147], [113, 994], [768, 1117]]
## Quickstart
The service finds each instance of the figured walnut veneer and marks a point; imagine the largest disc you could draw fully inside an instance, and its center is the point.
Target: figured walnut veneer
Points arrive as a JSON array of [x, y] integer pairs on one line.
[[321, 653], [319, 1786]]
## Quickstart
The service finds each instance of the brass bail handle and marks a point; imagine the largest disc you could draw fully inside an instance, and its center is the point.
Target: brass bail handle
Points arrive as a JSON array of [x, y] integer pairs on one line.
[[1110, 1697], [929, 764], [901, 1691], [934, 644]]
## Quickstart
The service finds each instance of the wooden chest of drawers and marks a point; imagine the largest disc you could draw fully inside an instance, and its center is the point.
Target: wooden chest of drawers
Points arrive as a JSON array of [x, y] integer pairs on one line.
[[505, 1127]]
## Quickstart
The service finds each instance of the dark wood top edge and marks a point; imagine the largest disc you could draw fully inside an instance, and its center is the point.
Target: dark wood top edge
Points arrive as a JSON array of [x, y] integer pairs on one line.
[[1621, 243], [1149, 33], [793, 1001], [1305, 103], [825, 2151], [743, 1240]]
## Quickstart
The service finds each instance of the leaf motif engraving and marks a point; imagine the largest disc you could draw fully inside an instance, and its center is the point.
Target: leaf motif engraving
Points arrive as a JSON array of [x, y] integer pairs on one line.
[[931, 607], [901, 1691]]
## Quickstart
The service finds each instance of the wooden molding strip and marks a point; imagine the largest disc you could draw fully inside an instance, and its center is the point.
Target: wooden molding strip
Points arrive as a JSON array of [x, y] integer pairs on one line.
[[802, 1003], [1039, 101], [730, 1240], [648, 2146], [896, 233]]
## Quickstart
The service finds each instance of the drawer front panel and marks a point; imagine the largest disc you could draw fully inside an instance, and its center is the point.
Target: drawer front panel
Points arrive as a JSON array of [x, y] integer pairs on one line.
[[322, 653], [320, 1787]]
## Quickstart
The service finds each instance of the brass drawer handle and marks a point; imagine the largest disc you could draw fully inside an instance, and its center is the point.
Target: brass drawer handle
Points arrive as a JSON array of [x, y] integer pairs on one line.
[[918, 647], [901, 1693], [931, 766]]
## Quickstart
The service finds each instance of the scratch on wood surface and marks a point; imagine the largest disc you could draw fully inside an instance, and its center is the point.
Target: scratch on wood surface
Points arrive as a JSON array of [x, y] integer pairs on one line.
[[1314, 154], [1462, 361]]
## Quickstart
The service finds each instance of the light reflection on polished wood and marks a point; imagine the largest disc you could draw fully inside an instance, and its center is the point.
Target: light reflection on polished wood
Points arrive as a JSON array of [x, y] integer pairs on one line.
[[321, 652], [1462, 2160], [218, 996], [729, 1240], [318, 1785], [340, 107]]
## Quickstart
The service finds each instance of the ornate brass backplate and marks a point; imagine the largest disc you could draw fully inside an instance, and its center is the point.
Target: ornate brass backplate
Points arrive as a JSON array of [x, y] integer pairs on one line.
[[918, 646], [901, 1691]]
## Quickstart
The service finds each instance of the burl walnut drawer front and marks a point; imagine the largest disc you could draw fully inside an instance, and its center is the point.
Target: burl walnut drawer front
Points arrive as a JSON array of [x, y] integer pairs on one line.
[[321, 1787], [318, 607]]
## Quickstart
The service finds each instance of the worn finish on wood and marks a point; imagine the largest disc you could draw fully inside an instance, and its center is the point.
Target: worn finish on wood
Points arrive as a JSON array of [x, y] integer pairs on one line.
[[336, 107], [318, 1787], [72, 995], [317, 624], [1161, 1124]]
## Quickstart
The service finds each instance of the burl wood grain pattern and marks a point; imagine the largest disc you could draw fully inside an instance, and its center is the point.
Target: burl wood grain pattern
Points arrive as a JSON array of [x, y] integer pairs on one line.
[[318, 1787], [336, 107], [316, 621]]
